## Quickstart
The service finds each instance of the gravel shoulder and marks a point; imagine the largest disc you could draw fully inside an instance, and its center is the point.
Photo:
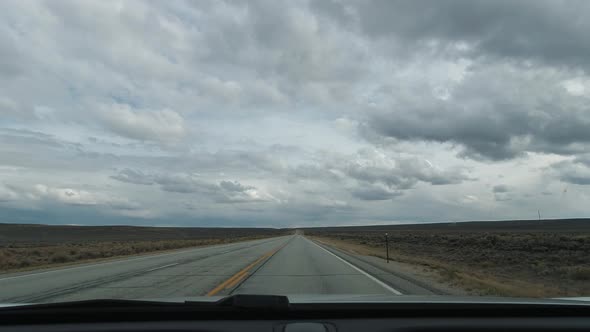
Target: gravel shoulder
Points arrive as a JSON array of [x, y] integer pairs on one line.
[[416, 273], [524, 263]]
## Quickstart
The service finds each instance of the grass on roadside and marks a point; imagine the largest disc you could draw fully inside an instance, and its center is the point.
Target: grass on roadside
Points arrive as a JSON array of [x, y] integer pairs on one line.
[[534, 264], [30, 256]]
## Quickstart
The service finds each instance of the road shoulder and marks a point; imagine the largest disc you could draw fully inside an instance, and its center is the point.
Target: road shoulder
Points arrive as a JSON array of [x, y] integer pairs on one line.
[[408, 278]]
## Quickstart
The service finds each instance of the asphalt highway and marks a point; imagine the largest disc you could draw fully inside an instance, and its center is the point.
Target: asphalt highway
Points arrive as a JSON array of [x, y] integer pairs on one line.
[[290, 265]]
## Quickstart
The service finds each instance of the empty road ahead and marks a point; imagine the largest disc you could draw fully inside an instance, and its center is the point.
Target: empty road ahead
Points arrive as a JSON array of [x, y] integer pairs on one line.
[[282, 265]]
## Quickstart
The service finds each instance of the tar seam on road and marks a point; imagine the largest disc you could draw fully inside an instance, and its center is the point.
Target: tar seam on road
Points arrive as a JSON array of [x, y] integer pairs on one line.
[[381, 283], [161, 267]]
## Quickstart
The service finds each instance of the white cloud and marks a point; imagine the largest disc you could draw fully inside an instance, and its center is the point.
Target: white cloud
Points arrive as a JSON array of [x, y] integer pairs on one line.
[[82, 197], [577, 86], [146, 125]]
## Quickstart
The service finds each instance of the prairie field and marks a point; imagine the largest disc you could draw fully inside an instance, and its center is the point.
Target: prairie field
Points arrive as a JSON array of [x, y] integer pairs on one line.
[[24, 247], [509, 258]]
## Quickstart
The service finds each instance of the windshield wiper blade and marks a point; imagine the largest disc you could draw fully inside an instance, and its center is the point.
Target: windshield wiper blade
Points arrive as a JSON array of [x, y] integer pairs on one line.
[[241, 301], [85, 304]]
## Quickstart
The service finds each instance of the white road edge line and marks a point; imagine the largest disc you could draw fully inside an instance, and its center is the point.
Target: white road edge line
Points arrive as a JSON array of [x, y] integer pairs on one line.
[[381, 283], [161, 267]]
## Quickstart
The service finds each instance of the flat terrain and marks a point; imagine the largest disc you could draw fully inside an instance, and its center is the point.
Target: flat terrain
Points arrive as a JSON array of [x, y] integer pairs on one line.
[[32, 246], [281, 265], [508, 258], [511, 258], [23, 234]]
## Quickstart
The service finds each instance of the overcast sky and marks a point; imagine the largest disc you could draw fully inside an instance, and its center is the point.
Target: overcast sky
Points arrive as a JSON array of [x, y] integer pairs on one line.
[[272, 113]]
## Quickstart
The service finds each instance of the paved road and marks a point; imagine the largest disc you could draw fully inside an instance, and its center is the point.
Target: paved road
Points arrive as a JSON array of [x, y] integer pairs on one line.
[[303, 267], [282, 265]]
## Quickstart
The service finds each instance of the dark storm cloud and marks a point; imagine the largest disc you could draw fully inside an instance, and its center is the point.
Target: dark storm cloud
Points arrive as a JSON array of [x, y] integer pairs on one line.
[[375, 193], [484, 134], [489, 117], [554, 32], [544, 41], [574, 178], [502, 193], [576, 171], [234, 186], [501, 188]]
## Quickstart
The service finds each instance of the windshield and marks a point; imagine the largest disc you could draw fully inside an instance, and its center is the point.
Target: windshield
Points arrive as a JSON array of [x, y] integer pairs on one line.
[[318, 148]]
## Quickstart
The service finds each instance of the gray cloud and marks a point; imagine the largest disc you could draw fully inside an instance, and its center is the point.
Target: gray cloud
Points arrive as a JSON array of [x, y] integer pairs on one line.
[[501, 188], [376, 167], [374, 174], [7, 194], [576, 171], [234, 186], [43, 196], [223, 191], [492, 120], [487, 119], [180, 183], [503, 193], [547, 31], [375, 193], [309, 111], [133, 176], [164, 125]]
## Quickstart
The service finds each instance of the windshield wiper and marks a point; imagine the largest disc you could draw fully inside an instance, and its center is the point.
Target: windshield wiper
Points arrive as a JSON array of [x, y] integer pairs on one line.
[[235, 306], [240, 301]]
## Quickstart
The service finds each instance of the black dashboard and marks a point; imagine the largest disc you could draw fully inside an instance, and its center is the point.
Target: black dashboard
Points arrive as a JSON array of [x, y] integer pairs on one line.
[[384, 324], [244, 314]]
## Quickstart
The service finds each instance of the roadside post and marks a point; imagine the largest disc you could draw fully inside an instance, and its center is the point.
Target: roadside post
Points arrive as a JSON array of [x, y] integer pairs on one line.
[[387, 247]]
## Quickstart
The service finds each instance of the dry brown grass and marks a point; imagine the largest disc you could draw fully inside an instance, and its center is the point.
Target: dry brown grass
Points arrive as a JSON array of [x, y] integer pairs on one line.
[[533, 264], [30, 256]]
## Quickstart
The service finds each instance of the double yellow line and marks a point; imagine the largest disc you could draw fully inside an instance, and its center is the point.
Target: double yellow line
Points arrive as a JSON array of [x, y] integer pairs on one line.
[[236, 278]]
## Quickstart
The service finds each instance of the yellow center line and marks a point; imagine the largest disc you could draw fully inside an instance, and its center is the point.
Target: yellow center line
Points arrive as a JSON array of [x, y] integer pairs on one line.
[[233, 280], [243, 274]]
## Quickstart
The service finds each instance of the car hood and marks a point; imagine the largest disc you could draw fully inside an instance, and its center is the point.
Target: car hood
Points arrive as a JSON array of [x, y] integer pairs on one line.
[[376, 298]]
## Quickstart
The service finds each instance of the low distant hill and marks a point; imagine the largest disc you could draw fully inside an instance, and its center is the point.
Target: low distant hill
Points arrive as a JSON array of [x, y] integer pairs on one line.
[[54, 234], [552, 225]]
